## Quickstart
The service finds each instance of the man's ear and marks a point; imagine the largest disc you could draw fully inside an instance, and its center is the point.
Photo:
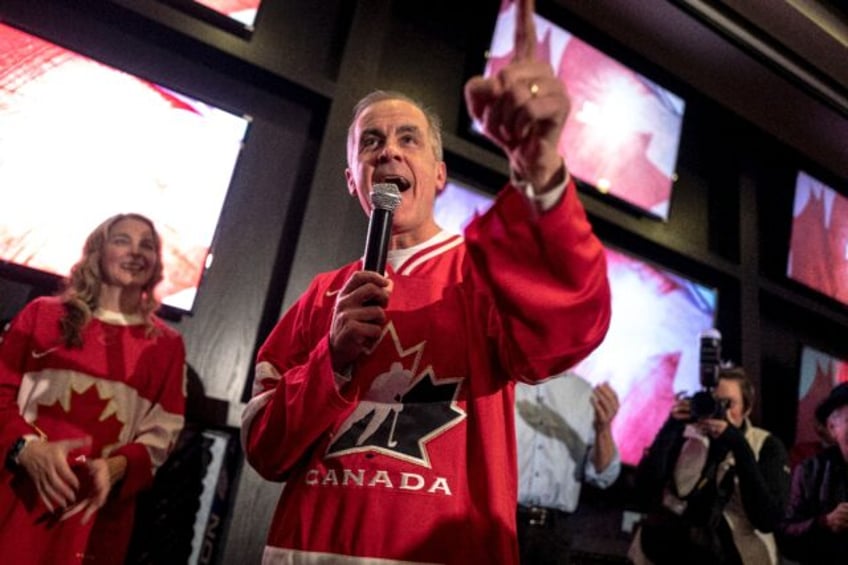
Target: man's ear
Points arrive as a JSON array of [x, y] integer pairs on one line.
[[351, 182], [441, 176]]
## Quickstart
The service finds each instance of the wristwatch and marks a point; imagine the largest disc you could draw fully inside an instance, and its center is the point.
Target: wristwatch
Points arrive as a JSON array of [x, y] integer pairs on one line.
[[15, 451]]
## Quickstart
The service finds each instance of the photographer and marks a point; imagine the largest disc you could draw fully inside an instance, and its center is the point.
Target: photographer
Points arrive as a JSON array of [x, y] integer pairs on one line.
[[714, 485]]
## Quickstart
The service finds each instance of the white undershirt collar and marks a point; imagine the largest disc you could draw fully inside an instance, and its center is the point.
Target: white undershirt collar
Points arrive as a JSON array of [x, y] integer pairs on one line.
[[118, 318], [397, 257]]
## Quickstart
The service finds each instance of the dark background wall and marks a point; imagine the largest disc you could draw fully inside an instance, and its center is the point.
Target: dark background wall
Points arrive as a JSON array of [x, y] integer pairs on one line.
[[749, 127]]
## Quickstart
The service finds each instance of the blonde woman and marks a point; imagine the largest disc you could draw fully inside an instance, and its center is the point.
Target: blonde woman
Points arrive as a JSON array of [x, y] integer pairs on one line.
[[92, 398]]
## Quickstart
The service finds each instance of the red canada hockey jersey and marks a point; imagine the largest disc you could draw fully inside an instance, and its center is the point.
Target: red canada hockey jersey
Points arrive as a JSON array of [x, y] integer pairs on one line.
[[421, 466], [123, 389]]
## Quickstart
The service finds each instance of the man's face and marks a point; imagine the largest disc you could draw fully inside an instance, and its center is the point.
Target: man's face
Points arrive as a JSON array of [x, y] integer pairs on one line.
[[837, 425], [730, 391], [391, 142]]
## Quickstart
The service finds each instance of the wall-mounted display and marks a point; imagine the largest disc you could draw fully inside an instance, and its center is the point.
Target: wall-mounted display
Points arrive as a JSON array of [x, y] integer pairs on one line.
[[651, 351], [237, 16], [819, 372], [621, 138], [457, 204], [81, 141], [818, 248]]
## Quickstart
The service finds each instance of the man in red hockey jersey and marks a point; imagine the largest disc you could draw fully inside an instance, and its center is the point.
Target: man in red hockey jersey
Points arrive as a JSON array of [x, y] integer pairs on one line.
[[386, 402]]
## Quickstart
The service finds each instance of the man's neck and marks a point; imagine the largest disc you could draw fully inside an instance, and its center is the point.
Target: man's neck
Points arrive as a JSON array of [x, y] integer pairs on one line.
[[409, 239]]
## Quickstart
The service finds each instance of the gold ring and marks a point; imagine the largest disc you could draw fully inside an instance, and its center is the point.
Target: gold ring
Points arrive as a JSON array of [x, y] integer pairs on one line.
[[534, 90]]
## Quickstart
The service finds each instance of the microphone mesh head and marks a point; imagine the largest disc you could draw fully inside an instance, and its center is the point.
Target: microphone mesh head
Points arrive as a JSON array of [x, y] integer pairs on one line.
[[385, 196]]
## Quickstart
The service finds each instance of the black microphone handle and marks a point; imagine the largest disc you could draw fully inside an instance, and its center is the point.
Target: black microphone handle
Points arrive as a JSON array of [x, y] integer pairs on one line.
[[377, 241]]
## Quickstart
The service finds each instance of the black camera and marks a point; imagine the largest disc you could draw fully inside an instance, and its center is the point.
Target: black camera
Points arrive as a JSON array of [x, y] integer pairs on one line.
[[703, 404]]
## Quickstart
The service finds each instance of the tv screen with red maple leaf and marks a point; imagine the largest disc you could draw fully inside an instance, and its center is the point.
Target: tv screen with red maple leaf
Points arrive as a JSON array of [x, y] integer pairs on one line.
[[651, 351], [623, 133], [81, 141], [819, 373], [818, 247]]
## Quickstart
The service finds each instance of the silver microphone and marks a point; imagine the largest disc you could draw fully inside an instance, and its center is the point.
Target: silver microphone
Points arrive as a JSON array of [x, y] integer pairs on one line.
[[385, 198]]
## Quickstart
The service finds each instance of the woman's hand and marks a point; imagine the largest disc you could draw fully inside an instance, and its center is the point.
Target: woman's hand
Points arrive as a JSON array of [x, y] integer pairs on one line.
[[46, 463], [712, 427], [97, 476], [682, 409]]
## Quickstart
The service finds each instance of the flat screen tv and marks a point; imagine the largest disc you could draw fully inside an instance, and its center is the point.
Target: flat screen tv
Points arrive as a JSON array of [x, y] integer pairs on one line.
[[457, 204], [819, 372], [818, 247], [243, 11], [622, 135], [650, 353], [234, 15], [81, 141]]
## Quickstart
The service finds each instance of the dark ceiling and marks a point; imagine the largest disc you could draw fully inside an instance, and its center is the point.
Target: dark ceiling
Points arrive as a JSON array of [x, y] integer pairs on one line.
[[782, 64]]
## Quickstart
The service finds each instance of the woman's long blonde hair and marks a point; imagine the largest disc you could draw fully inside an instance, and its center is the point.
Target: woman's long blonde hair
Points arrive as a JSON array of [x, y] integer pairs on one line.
[[82, 287]]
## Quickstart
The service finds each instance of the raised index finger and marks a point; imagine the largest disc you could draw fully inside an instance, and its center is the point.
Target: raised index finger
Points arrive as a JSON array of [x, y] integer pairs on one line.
[[525, 31]]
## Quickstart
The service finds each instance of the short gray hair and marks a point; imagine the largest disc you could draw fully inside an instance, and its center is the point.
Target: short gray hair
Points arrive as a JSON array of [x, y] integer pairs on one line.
[[434, 123]]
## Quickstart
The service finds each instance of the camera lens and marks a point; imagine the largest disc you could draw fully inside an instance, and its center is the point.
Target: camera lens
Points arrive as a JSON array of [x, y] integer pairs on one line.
[[703, 405]]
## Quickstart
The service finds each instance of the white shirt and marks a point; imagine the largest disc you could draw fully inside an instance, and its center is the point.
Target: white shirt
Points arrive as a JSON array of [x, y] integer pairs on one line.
[[555, 434]]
